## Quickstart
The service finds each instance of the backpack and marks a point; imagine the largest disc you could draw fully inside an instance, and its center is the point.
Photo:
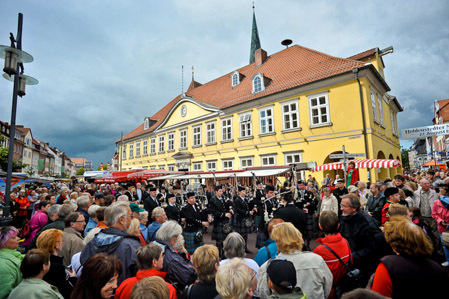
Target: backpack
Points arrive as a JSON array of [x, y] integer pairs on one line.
[[351, 280]]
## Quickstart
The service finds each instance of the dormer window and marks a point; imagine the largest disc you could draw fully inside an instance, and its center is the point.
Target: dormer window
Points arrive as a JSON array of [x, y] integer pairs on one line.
[[236, 77], [146, 124], [258, 84]]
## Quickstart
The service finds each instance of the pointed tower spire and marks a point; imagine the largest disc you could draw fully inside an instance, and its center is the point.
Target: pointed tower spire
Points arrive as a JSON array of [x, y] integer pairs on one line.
[[255, 41]]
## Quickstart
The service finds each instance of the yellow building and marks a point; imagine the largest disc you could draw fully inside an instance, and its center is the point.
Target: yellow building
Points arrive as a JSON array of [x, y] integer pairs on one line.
[[297, 105]]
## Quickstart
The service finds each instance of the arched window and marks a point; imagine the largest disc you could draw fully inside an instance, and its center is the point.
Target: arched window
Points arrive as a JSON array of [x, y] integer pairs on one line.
[[235, 78], [257, 84], [146, 124]]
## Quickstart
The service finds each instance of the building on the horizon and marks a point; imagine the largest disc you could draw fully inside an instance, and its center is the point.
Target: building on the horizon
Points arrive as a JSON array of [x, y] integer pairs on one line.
[[296, 105], [82, 163]]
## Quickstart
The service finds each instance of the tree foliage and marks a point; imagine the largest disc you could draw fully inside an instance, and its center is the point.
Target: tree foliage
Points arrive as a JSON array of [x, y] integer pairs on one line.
[[16, 165], [404, 157], [80, 171]]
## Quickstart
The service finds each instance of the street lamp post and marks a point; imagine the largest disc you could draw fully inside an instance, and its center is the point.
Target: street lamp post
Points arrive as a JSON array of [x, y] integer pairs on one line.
[[14, 59]]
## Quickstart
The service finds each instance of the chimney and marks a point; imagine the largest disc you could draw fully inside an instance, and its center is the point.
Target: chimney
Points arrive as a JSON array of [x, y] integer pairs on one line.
[[260, 55]]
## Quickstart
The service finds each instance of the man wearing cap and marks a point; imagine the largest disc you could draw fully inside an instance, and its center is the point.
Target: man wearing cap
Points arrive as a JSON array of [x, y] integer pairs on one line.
[[265, 210], [220, 209], [99, 198], [194, 224], [135, 209], [339, 192], [172, 210], [259, 194], [306, 202], [151, 201], [282, 280], [392, 196], [243, 215], [291, 213]]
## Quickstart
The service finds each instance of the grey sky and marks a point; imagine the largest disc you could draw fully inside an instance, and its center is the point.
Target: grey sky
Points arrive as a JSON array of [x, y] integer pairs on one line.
[[103, 65]]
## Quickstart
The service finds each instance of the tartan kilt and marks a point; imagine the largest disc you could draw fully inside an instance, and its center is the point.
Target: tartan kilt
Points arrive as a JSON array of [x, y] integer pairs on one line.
[[261, 238], [218, 233], [239, 226], [309, 224], [189, 242], [258, 220]]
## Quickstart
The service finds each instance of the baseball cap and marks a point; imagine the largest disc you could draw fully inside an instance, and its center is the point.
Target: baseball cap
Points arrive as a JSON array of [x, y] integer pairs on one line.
[[135, 208], [282, 274]]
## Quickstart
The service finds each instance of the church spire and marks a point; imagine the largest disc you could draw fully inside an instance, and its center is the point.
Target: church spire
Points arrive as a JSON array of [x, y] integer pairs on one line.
[[255, 41]]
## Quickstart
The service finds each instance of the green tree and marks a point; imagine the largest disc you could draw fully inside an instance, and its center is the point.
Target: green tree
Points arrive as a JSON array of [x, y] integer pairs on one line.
[[80, 171], [404, 156], [31, 171], [16, 165], [105, 167]]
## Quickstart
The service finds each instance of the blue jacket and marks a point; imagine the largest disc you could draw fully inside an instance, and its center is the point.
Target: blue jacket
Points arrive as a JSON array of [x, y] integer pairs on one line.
[[262, 256], [152, 229], [90, 225]]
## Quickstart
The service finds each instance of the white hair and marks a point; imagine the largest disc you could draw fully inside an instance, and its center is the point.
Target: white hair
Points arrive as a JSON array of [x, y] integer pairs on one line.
[[82, 201], [93, 210], [113, 213], [168, 230], [123, 198]]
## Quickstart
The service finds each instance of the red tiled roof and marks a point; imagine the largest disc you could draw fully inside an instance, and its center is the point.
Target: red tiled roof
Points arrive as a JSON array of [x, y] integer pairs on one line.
[[78, 160], [364, 54], [292, 67]]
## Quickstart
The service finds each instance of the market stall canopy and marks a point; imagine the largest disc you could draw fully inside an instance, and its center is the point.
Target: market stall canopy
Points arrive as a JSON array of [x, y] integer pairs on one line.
[[434, 163], [264, 171], [151, 173], [361, 163]]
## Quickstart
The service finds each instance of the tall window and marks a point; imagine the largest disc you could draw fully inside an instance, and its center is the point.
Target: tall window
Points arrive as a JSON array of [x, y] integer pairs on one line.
[[210, 132], [290, 115], [235, 79], [145, 147], [138, 149], [374, 106], [153, 146], [269, 160], [171, 167], [171, 142], [161, 143], [266, 120], [246, 162], [381, 109], [291, 158], [131, 151], [146, 124], [257, 84], [124, 152], [197, 136], [212, 166], [226, 129], [228, 164], [183, 138], [197, 166], [245, 125], [319, 109], [394, 122]]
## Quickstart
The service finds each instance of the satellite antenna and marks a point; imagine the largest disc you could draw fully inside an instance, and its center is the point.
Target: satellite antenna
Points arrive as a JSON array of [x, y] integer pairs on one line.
[[286, 42]]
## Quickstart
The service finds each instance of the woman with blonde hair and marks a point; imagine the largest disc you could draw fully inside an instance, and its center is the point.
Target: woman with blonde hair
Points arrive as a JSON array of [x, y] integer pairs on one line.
[[152, 287], [134, 229], [312, 274], [50, 241], [410, 273], [205, 261], [235, 280]]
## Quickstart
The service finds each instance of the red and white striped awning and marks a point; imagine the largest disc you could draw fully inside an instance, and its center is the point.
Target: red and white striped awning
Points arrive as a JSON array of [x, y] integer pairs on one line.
[[360, 163]]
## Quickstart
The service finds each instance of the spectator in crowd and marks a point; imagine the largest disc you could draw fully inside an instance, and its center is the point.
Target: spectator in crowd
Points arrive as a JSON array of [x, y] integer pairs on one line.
[[376, 202], [38, 220], [143, 220], [206, 261], [51, 241], [83, 203], [339, 191], [329, 202], [93, 219], [440, 213], [22, 212], [355, 228], [234, 246], [93, 283], [363, 201], [100, 217], [291, 213], [410, 273], [34, 267], [72, 241], [134, 229], [152, 287], [392, 196], [99, 199], [159, 216], [150, 261], [179, 272], [115, 240], [352, 174], [270, 250], [329, 224], [10, 275], [397, 209], [282, 280], [363, 191], [63, 195], [236, 280], [312, 274], [326, 180], [181, 250]]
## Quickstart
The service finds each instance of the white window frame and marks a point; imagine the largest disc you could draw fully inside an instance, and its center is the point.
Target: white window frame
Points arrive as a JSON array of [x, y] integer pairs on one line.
[[171, 142], [292, 158], [152, 166], [197, 166], [265, 160], [161, 167], [244, 162], [245, 125], [226, 129], [145, 147], [146, 124], [183, 139], [137, 149], [235, 76], [228, 164], [290, 118], [124, 152], [196, 135], [381, 109], [318, 108], [211, 165], [258, 84], [152, 146], [211, 132], [161, 143], [374, 105], [171, 167], [266, 121], [394, 122], [131, 150]]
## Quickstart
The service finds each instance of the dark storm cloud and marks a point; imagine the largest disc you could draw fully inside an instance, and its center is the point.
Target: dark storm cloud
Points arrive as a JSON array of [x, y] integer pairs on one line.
[[105, 65]]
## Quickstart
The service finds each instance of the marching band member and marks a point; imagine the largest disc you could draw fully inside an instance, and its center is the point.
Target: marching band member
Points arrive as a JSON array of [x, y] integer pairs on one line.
[[173, 210], [150, 202], [259, 194], [220, 210], [265, 209], [193, 234], [243, 223], [307, 202]]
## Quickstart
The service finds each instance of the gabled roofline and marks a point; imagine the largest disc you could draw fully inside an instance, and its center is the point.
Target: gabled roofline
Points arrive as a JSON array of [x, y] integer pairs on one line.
[[183, 100]]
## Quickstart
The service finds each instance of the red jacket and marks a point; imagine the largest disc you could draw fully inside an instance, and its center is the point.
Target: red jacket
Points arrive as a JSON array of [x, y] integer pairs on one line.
[[125, 288], [341, 247], [24, 204]]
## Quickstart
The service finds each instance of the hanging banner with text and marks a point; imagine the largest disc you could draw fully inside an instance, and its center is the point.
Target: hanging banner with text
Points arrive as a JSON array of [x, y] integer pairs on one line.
[[423, 132]]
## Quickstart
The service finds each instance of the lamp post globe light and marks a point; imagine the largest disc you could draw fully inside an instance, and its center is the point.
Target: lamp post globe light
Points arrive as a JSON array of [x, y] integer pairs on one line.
[[13, 68]]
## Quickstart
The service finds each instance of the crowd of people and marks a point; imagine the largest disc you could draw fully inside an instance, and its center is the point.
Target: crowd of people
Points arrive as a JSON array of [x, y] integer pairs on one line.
[[139, 240]]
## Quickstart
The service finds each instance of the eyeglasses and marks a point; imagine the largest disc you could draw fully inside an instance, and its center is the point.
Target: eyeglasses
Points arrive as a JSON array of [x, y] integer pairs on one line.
[[80, 221]]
